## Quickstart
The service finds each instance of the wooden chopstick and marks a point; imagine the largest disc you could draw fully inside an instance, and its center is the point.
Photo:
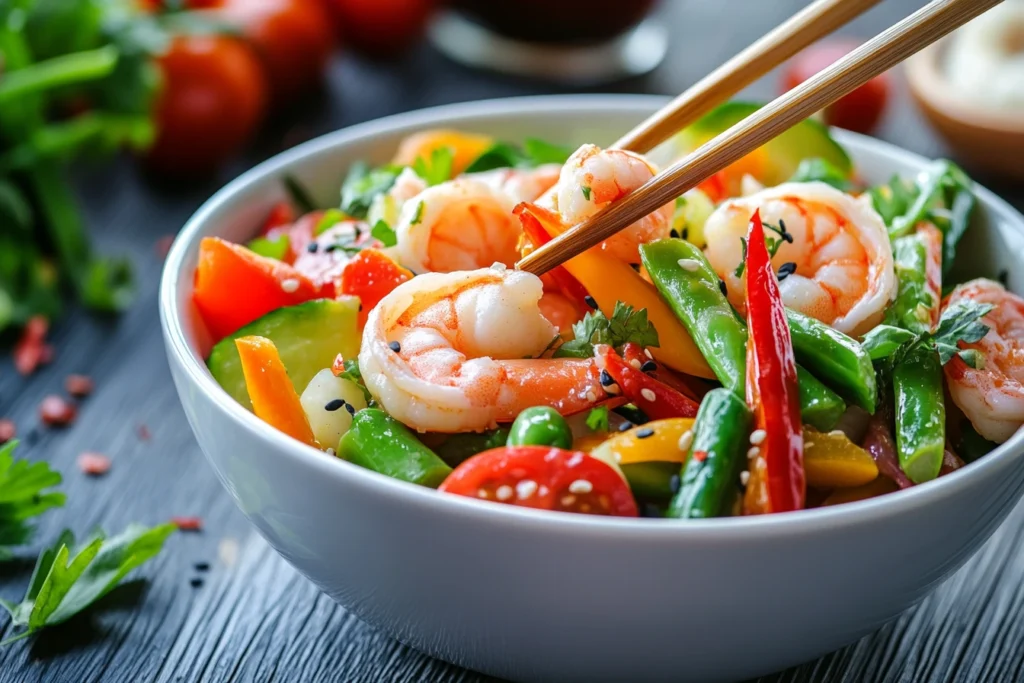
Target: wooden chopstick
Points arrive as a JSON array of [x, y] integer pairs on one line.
[[872, 58], [785, 40]]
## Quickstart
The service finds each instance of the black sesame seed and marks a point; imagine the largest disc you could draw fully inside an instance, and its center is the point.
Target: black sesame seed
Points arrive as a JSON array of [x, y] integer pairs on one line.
[[1003, 277], [332, 247], [312, 247], [625, 426], [786, 269], [644, 433], [350, 408], [196, 582], [202, 566], [605, 379], [334, 404], [675, 483], [590, 301], [360, 306], [673, 233], [395, 346], [686, 233], [722, 286], [648, 366]]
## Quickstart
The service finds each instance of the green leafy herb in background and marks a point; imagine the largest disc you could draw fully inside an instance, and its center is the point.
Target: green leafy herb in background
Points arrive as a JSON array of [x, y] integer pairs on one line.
[[384, 233], [533, 153], [24, 495], [817, 169], [437, 169], [68, 579], [362, 184], [625, 325]]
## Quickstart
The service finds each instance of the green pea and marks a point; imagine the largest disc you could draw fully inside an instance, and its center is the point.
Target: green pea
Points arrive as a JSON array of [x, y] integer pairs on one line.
[[540, 426]]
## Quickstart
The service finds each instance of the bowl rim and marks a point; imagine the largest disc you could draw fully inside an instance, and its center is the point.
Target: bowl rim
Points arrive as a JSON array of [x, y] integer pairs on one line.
[[179, 350]]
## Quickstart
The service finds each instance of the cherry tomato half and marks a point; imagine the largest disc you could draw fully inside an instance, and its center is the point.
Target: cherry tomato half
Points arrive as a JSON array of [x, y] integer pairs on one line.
[[543, 478], [859, 111], [211, 103]]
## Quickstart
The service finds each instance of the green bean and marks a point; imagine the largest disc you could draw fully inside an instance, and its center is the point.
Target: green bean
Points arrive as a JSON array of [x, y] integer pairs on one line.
[[920, 414], [838, 360], [381, 443]]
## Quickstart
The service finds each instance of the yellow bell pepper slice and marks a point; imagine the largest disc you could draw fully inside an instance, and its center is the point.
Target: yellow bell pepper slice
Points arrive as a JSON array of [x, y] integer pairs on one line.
[[273, 397], [879, 487], [609, 280], [655, 441], [465, 147], [831, 460]]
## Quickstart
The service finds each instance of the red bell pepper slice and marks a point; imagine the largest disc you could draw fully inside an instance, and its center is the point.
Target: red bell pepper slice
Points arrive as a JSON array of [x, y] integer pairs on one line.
[[371, 276], [694, 389], [777, 472], [563, 279], [657, 399], [234, 286]]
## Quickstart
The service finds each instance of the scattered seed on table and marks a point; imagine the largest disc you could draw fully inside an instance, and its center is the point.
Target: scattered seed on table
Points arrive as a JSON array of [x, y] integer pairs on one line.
[[202, 566], [31, 350], [93, 464], [188, 523], [196, 582], [57, 412], [143, 432], [7, 430], [79, 386]]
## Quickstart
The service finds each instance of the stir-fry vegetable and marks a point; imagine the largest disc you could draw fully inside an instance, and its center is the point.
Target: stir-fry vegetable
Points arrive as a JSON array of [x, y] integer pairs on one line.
[[273, 398], [381, 443], [540, 426], [777, 471]]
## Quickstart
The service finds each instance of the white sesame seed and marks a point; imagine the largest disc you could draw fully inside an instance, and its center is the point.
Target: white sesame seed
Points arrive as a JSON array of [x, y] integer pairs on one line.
[[837, 432], [290, 285], [635, 364], [581, 486], [544, 490], [526, 488], [753, 452], [591, 396], [482, 493], [744, 477], [499, 266], [618, 457], [567, 500], [647, 352], [504, 492], [808, 444], [330, 451], [758, 436], [686, 440], [689, 265], [648, 395]]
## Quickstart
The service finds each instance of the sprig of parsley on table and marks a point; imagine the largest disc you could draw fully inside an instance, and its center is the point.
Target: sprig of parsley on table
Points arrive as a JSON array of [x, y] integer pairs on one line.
[[625, 325], [960, 321], [23, 496], [68, 579]]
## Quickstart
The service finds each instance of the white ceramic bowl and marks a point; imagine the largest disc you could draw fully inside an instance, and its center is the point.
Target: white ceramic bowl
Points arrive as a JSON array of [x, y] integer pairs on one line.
[[528, 595]]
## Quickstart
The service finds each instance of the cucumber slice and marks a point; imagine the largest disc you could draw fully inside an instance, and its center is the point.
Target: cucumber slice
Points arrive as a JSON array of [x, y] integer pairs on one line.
[[308, 336], [782, 155]]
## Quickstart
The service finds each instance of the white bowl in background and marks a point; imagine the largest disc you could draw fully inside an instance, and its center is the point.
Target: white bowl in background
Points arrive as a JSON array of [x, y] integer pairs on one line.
[[531, 595]]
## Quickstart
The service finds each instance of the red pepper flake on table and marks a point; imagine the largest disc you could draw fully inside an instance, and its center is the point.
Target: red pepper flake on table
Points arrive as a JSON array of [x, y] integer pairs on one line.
[[55, 411], [79, 386], [7, 430], [93, 464], [32, 350], [188, 523]]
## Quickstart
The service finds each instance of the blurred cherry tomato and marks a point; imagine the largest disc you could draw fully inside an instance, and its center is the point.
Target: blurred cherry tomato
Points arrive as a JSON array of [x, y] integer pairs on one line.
[[382, 27], [294, 38], [213, 98], [859, 111]]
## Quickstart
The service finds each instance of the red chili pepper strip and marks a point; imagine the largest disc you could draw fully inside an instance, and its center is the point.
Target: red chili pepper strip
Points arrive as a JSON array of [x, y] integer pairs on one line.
[[570, 286], [632, 351], [657, 399], [777, 473]]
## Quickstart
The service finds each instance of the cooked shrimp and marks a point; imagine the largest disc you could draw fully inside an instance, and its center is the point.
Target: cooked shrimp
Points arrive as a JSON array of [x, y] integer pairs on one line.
[[839, 246], [455, 352], [407, 185], [521, 185], [462, 224], [593, 178], [992, 397], [559, 310]]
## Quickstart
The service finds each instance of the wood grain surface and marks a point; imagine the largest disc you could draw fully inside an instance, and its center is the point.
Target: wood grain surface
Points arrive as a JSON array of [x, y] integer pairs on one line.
[[254, 618]]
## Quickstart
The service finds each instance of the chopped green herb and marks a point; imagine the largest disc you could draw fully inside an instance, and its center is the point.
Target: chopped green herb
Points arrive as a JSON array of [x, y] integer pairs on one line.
[[353, 374], [597, 419], [418, 216], [362, 184], [625, 325], [330, 218], [960, 321], [586, 192], [773, 244], [533, 153], [817, 169], [438, 168], [384, 233]]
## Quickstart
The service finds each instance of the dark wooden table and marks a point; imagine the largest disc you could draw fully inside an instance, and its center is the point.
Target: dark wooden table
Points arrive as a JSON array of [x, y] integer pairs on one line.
[[256, 619]]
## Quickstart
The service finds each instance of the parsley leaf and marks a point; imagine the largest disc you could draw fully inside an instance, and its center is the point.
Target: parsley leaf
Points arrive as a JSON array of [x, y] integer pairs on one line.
[[362, 184], [625, 325], [586, 192], [68, 579], [597, 419], [276, 248], [23, 496], [418, 216], [438, 168], [384, 233], [960, 321], [353, 375]]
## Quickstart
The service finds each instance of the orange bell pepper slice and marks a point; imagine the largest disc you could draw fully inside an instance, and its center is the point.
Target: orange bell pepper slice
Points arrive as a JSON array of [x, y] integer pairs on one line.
[[273, 397], [234, 286], [609, 280]]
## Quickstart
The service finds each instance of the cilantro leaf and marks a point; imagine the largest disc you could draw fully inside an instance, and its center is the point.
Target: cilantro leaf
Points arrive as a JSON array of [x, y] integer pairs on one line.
[[597, 419], [960, 321], [67, 581], [276, 248], [438, 168], [384, 233], [362, 184], [625, 325], [23, 495], [885, 340]]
